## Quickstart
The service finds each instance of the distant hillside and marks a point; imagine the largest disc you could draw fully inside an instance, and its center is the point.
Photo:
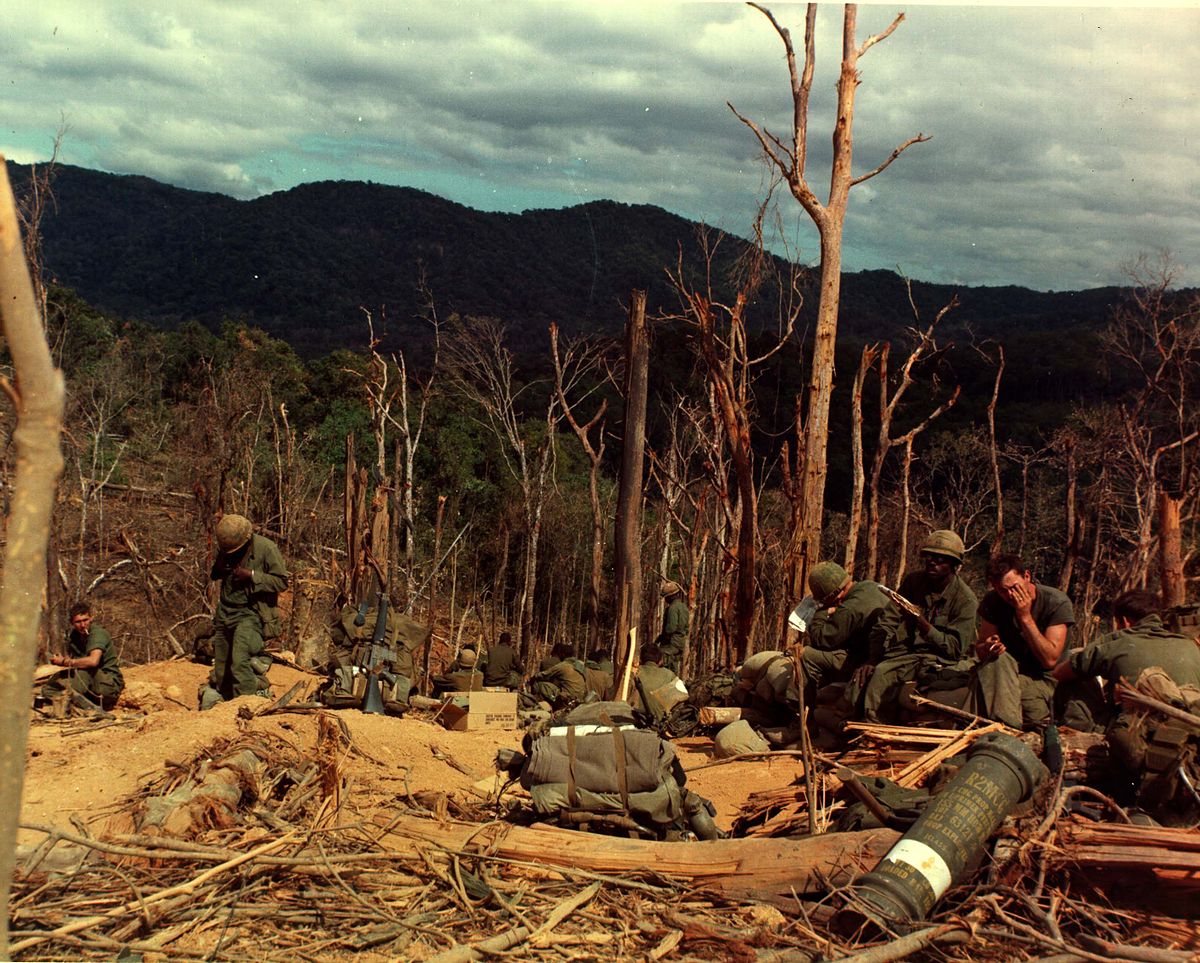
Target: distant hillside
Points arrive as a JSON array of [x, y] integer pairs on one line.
[[303, 263]]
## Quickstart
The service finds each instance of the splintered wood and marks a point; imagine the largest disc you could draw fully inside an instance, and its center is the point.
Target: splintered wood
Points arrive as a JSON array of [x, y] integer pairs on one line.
[[295, 869]]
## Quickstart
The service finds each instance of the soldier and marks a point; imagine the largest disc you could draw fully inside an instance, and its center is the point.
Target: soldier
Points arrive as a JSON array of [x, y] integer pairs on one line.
[[252, 573], [1137, 741], [659, 689], [557, 682], [95, 670], [502, 668], [844, 640], [1022, 636], [463, 676], [675, 627], [938, 637]]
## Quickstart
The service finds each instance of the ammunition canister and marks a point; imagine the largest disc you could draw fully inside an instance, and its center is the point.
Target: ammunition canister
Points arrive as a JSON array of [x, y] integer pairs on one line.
[[1000, 772]]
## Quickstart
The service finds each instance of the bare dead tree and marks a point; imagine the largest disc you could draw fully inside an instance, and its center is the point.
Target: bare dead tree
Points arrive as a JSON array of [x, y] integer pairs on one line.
[[627, 528], [870, 353], [724, 348], [37, 394], [925, 348], [481, 367], [578, 363], [790, 158]]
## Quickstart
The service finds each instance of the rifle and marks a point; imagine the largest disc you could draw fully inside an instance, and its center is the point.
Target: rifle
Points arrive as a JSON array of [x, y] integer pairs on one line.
[[377, 654]]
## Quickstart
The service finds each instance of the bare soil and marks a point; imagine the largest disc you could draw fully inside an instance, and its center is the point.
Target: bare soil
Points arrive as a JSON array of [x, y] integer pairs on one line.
[[83, 770]]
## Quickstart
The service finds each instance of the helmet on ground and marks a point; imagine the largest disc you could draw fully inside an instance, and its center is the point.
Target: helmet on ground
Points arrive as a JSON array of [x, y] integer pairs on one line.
[[825, 579], [233, 531], [669, 588], [944, 542]]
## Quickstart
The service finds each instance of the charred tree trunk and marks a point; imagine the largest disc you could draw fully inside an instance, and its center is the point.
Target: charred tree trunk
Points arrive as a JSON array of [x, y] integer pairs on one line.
[[869, 353], [1170, 551], [628, 531]]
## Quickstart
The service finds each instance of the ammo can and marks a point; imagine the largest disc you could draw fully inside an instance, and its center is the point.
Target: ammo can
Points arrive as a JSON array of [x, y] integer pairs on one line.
[[1000, 772]]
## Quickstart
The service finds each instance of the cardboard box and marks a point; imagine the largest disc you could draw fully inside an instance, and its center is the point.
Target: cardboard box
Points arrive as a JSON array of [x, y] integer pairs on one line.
[[464, 711]]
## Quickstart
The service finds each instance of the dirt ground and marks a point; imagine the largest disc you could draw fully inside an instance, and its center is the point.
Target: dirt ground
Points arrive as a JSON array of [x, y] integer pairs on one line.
[[81, 770]]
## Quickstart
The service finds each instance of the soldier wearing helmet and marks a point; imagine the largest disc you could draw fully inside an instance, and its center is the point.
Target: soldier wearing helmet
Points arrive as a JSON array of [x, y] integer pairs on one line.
[[843, 635], [919, 645], [673, 638], [252, 573]]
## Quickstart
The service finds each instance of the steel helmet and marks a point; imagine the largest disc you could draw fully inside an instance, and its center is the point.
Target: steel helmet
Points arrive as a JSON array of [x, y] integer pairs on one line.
[[233, 531], [825, 579], [944, 542]]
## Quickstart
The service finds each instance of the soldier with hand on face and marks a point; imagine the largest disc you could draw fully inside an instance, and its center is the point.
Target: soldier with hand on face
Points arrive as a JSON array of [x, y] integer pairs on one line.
[[252, 573], [1021, 637]]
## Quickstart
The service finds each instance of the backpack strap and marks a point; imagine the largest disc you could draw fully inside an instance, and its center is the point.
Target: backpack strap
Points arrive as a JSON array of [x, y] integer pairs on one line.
[[572, 788]]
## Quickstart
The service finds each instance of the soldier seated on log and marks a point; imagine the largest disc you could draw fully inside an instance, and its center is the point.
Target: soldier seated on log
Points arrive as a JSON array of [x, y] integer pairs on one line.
[[1151, 750], [658, 689], [844, 641]]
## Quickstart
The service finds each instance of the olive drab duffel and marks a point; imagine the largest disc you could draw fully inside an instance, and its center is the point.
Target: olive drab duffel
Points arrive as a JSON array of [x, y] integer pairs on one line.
[[594, 760]]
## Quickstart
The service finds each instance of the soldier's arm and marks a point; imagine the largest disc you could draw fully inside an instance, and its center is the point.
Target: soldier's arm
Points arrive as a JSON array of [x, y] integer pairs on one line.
[[987, 640], [273, 574], [952, 639], [830, 631]]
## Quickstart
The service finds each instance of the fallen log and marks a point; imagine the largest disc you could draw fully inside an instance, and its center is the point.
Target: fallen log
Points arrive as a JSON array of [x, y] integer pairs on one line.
[[767, 869]]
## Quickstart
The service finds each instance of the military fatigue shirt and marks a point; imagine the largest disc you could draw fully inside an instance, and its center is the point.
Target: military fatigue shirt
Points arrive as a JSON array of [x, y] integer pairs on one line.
[[80, 645], [500, 661], [675, 628], [570, 683], [950, 612], [853, 625], [1050, 607], [1127, 653], [268, 577]]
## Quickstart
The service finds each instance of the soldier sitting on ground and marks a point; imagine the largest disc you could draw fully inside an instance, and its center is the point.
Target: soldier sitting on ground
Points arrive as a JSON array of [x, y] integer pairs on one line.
[[502, 666], [1148, 750], [925, 644], [95, 675], [657, 689], [557, 682], [464, 675], [844, 641]]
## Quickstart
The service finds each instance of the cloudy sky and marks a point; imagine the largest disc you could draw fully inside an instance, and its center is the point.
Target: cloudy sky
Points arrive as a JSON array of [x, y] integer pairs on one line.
[[1065, 140]]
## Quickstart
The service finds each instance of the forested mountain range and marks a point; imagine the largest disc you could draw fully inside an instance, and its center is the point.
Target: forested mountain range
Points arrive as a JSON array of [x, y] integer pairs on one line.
[[303, 264]]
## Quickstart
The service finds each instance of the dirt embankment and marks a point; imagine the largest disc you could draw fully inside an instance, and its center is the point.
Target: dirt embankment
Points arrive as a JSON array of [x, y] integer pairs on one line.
[[80, 770]]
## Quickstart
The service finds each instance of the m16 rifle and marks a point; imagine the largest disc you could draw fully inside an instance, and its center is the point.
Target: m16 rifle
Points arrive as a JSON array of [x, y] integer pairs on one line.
[[377, 654]]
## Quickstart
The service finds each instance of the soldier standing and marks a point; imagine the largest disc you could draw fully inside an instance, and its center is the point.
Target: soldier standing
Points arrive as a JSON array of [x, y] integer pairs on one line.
[[252, 573], [675, 627]]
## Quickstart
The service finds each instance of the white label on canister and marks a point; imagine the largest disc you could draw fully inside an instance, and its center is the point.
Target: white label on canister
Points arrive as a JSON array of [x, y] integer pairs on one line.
[[925, 861]]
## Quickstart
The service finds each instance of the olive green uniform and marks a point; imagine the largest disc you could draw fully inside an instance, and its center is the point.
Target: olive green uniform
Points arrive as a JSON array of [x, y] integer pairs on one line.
[[674, 634], [658, 690], [1016, 688], [103, 684], [1126, 655], [502, 667], [837, 643], [558, 683], [246, 615], [908, 652]]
